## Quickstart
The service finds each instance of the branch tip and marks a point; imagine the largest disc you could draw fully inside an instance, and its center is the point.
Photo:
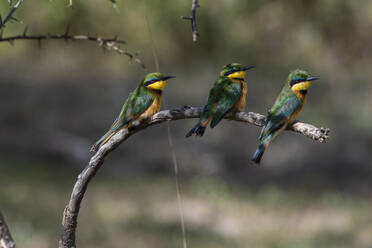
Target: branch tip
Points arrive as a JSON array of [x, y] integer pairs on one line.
[[192, 19]]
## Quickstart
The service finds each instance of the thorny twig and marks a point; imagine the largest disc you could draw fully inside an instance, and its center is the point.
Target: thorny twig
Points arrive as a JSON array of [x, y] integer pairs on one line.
[[71, 212], [106, 43], [192, 18], [6, 240]]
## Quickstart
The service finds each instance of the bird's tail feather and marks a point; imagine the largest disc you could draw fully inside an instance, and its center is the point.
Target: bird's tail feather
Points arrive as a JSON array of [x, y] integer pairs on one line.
[[198, 130], [259, 153], [261, 149], [102, 141]]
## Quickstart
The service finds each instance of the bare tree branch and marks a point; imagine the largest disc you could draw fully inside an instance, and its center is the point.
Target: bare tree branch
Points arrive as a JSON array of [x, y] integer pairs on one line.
[[6, 240], [106, 43], [71, 212], [192, 19]]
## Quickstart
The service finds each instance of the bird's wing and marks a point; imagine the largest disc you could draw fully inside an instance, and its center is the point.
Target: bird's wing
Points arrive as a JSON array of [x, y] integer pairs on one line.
[[228, 95], [137, 103], [212, 100], [280, 113]]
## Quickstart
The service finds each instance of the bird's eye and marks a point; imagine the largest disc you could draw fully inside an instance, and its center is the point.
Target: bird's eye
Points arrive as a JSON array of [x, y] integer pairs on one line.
[[151, 80], [298, 79]]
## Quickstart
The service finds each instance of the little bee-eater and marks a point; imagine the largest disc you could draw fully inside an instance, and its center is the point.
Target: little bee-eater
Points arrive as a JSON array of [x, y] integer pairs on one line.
[[228, 95], [141, 104], [286, 107]]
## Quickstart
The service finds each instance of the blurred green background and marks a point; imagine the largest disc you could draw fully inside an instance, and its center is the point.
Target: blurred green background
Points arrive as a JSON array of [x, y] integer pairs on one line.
[[57, 100]]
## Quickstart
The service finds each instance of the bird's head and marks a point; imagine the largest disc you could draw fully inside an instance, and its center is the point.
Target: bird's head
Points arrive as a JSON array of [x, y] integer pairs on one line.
[[299, 80], [156, 81], [235, 71]]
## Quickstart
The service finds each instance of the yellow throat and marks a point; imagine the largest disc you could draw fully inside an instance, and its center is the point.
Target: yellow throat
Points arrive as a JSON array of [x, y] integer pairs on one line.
[[238, 74], [301, 86], [157, 85]]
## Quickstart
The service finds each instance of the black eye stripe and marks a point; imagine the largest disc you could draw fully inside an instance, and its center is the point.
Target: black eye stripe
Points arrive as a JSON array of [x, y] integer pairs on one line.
[[152, 81], [293, 82], [230, 71]]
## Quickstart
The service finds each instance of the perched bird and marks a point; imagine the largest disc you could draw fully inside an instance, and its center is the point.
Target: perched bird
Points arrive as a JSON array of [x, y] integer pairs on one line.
[[141, 104], [286, 107], [228, 95]]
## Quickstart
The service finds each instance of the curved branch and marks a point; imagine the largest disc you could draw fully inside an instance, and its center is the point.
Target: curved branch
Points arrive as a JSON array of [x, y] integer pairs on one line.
[[6, 240], [192, 19], [71, 211]]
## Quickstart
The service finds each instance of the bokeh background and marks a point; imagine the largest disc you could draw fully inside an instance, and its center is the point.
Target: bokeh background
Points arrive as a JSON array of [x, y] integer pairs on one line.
[[57, 100]]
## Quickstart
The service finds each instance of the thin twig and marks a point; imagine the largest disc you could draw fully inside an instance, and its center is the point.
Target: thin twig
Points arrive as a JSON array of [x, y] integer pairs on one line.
[[71, 212], [6, 240], [171, 146], [178, 191], [154, 53], [192, 19], [10, 15], [115, 6], [107, 43]]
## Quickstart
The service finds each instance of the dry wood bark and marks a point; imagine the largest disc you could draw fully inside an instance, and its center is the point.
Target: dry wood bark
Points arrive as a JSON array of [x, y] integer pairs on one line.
[[71, 211]]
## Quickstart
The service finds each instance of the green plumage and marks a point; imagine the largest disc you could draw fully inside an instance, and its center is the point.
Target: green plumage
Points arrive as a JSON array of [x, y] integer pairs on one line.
[[222, 99], [286, 107], [136, 104], [138, 101]]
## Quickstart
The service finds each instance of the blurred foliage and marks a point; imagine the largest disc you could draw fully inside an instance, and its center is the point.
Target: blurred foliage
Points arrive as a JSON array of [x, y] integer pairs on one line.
[[329, 38], [143, 210], [55, 101], [279, 30]]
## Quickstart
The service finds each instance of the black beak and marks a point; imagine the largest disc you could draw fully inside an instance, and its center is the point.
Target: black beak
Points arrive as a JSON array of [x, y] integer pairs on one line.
[[245, 68], [167, 77], [312, 78]]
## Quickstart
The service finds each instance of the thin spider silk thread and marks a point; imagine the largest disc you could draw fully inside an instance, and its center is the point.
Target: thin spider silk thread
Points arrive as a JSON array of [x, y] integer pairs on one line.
[[170, 141]]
